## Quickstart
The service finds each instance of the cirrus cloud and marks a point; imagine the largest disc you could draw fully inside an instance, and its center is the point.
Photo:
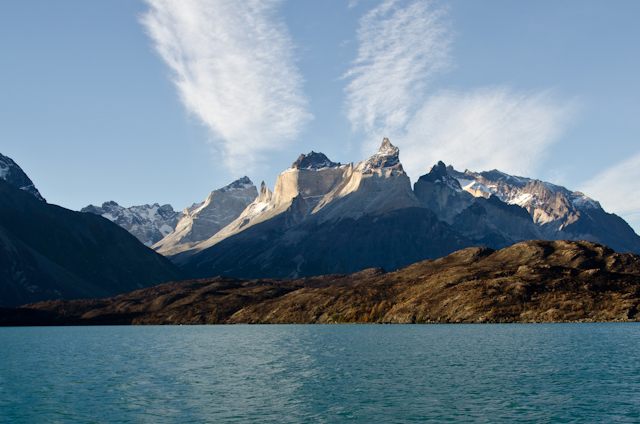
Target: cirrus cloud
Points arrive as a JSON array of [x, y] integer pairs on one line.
[[483, 129], [616, 189], [400, 49], [233, 65]]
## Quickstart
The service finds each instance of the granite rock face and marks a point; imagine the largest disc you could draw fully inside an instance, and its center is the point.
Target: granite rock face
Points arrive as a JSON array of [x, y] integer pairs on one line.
[[203, 220], [533, 281]]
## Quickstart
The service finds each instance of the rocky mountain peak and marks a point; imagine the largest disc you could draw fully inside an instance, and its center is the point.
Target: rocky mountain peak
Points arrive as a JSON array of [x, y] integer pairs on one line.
[[313, 161], [14, 175], [239, 184], [388, 157], [439, 174], [148, 223]]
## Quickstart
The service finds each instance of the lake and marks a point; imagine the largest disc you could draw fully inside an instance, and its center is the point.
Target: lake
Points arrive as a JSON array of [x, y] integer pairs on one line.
[[490, 373]]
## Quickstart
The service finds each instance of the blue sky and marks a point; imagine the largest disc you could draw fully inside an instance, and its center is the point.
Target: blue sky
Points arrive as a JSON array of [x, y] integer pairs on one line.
[[163, 101]]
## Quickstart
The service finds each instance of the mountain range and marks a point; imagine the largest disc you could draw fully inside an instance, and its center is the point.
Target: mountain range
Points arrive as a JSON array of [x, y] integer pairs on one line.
[[324, 217]]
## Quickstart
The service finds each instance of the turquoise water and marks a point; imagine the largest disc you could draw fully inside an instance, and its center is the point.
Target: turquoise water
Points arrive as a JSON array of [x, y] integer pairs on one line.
[[322, 373]]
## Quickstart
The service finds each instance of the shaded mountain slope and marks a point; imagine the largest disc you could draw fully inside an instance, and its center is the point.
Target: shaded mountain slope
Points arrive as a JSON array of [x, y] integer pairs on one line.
[[49, 252], [274, 249], [533, 281]]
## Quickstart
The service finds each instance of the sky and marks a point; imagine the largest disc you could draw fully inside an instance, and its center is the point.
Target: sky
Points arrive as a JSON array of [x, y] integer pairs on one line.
[[163, 101]]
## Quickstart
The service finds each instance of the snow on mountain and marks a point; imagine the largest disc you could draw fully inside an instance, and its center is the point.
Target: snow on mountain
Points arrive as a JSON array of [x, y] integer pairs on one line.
[[148, 223], [239, 184], [313, 161], [387, 158], [546, 202], [203, 220], [558, 212], [14, 175]]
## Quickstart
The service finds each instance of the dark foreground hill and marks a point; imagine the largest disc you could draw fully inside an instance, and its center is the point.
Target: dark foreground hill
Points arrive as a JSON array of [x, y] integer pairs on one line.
[[533, 281], [49, 252]]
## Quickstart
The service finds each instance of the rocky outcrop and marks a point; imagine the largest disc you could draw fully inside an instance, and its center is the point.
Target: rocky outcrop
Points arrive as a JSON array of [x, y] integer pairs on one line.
[[48, 252], [148, 223], [14, 175], [201, 221], [534, 281]]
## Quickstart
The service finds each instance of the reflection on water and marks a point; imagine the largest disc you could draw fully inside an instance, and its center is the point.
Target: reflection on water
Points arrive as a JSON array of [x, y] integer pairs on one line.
[[322, 373]]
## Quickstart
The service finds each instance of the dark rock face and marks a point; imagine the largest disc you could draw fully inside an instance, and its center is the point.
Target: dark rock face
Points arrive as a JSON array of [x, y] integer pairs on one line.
[[282, 247], [534, 281], [313, 161], [485, 221], [48, 252], [14, 175]]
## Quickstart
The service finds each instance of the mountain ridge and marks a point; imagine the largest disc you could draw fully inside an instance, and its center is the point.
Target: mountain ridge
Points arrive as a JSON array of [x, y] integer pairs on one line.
[[444, 211]]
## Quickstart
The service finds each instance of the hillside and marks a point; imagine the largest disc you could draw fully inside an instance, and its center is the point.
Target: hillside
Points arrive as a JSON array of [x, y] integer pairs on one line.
[[49, 252], [533, 281]]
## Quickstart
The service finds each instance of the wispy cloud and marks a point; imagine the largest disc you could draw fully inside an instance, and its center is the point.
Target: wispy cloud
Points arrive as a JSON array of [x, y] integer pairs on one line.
[[487, 128], [400, 49], [403, 45], [234, 67], [616, 189]]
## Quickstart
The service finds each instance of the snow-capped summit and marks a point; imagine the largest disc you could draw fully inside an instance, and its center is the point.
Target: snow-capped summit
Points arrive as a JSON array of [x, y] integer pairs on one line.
[[313, 161], [14, 175], [239, 184], [387, 158], [148, 223]]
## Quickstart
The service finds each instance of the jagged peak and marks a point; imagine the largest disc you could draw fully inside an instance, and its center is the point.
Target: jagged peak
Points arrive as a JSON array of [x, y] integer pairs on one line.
[[239, 184], [265, 194], [439, 174], [314, 161], [388, 157]]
